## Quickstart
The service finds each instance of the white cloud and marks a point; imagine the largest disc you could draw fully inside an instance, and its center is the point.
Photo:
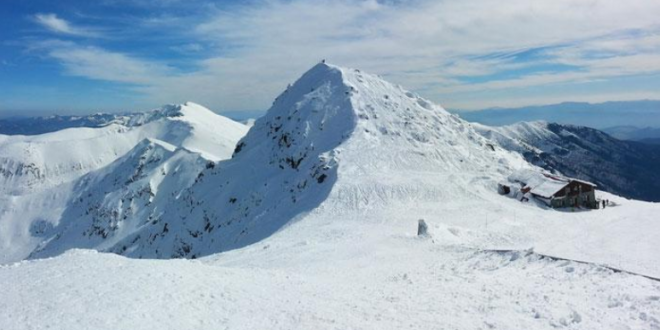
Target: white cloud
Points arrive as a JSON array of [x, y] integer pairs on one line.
[[425, 45], [61, 26], [429, 45], [97, 63], [188, 48]]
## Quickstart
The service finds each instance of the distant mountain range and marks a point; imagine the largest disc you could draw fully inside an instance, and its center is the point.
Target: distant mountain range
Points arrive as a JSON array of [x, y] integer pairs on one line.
[[46, 124], [647, 134], [600, 115]]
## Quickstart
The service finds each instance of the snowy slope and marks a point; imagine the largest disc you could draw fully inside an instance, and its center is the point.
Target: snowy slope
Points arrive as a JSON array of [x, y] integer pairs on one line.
[[392, 283], [344, 144], [626, 168], [330, 119], [100, 164], [316, 214], [119, 198], [32, 163], [358, 272]]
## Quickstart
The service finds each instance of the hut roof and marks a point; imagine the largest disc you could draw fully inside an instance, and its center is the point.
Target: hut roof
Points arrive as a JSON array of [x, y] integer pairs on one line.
[[543, 184]]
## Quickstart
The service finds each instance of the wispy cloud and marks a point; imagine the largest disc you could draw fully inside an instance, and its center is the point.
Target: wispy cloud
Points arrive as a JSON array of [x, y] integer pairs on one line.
[[188, 48], [100, 64], [431, 45], [252, 50], [58, 25]]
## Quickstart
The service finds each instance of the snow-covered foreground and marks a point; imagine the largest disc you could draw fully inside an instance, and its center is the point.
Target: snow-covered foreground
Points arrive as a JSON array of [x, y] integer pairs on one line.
[[344, 274], [312, 222], [334, 269]]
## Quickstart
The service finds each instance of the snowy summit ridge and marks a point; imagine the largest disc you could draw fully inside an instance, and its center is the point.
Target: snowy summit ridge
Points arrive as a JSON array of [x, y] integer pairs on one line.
[[333, 138], [41, 175]]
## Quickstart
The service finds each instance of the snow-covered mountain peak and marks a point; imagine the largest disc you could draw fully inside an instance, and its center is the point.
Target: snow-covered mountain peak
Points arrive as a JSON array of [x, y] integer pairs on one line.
[[41, 175], [186, 112], [337, 139], [31, 163], [193, 110], [313, 114], [330, 105]]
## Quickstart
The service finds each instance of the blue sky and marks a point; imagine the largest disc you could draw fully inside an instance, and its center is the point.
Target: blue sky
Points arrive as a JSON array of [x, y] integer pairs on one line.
[[75, 56]]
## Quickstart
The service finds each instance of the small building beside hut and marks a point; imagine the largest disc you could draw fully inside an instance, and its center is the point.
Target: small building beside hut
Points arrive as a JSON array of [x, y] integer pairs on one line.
[[553, 190]]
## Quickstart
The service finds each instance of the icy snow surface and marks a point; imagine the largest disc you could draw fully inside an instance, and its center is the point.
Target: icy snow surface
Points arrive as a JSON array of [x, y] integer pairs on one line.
[[316, 215]]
